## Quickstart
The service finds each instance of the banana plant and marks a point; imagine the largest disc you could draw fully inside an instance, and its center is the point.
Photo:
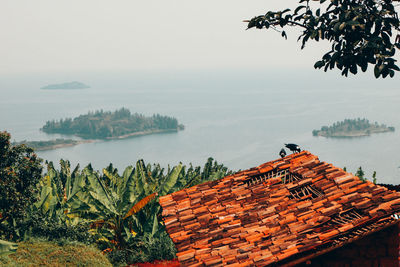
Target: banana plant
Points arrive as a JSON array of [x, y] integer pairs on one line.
[[195, 175], [116, 205], [57, 189], [148, 219]]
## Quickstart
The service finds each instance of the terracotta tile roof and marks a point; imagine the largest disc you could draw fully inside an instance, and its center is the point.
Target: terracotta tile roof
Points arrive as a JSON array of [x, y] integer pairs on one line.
[[285, 211]]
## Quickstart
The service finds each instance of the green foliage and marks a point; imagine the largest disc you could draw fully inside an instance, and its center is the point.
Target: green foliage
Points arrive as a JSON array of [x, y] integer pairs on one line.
[[191, 176], [20, 171], [69, 201], [57, 189], [56, 229], [360, 32], [102, 125], [374, 177], [146, 248], [115, 211], [118, 208], [360, 174]]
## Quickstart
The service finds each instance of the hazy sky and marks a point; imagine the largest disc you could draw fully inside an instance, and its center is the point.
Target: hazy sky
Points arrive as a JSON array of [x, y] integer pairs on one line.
[[85, 35], [93, 35]]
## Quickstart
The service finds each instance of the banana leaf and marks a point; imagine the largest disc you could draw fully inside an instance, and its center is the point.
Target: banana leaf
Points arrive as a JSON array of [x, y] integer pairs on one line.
[[170, 180], [138, 206], [125, 181], [155, 225], [78, 182], [130, 190], [98, 189]]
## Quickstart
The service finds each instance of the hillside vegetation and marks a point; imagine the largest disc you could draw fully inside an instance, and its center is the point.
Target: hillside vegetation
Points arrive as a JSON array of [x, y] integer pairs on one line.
[[352, 128], [108, 125], [118, 212]]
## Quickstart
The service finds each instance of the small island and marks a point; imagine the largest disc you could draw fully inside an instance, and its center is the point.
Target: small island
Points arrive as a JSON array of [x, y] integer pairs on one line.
[[51, 144], [112, 125], [66, 86], [352, 128]]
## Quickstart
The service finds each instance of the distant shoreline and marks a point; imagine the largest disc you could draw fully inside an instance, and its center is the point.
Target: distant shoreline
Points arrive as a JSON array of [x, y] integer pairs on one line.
[[353, 134], [52, 144], [85, 141], [53, 147], [141, 133]]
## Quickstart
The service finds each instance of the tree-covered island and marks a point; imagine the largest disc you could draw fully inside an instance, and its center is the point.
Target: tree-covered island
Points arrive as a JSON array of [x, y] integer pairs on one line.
[[352, 128], [112, 125]]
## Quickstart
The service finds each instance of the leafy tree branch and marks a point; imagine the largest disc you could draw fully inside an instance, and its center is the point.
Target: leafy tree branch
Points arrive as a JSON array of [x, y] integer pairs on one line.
[[361, 32]]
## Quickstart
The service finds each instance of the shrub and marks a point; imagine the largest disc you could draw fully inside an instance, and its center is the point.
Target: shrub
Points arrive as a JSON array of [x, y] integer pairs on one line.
[[56, 229], [145, 248], [20, 171]]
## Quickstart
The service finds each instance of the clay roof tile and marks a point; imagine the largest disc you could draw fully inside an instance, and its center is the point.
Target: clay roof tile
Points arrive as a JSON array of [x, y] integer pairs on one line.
[[281, 210]]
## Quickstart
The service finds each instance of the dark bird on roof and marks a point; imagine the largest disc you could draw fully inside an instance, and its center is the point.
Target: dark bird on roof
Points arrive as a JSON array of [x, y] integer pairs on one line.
[[282, 153], [293, 147]]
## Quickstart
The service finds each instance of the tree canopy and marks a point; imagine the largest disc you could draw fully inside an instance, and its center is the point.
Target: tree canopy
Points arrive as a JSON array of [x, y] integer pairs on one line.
[[106, 124], [361, 32], [20, 171]]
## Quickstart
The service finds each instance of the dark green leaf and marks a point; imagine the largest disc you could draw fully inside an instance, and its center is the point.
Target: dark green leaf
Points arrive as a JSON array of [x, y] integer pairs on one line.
[[377, 72], [319, 64], [298, 9], [353, 69], [345, 71], [395, 67]]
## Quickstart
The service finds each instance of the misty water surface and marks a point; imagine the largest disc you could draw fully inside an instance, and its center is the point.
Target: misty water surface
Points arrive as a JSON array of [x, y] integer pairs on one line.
[[240, 118]]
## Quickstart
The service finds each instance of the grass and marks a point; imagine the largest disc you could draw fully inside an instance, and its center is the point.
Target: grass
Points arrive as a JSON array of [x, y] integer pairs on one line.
[[44, 253]]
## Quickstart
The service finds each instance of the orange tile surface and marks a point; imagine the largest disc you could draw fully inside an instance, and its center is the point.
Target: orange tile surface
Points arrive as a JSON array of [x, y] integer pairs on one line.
[[278, 212]]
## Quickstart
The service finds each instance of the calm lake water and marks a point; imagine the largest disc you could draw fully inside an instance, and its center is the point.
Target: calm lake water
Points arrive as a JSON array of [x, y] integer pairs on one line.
[[240, 118]]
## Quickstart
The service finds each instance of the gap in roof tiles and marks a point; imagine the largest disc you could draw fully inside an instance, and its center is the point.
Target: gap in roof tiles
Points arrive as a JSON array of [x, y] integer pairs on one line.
[[345, 217], [360, 231], [341, 221], [286, 176], [290, 178], [259, 178], [305, 192]]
